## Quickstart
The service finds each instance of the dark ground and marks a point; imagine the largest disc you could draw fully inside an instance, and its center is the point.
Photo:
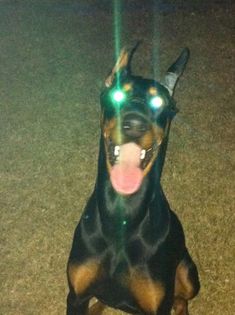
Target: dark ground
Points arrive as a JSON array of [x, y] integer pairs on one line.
[[54, 57]]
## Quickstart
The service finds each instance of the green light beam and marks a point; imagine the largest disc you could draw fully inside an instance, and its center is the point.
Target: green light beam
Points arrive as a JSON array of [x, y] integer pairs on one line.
[[117, 10], [117, 25]]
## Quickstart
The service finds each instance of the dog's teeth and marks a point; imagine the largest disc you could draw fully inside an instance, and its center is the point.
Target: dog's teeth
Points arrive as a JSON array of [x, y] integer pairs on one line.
[[142, 154], [116, 150]]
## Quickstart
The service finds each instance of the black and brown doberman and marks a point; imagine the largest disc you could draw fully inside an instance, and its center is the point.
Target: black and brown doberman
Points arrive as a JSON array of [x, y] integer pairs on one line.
[[129, 248]]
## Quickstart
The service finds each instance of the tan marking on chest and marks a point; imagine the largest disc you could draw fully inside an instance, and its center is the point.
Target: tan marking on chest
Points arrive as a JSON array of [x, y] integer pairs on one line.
[[82, 276], [148, 293], [183, 285]]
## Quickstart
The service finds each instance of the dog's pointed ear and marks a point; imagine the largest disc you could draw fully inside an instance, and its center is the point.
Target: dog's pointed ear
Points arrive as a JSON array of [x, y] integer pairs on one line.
[[123, 64], [176, 70]]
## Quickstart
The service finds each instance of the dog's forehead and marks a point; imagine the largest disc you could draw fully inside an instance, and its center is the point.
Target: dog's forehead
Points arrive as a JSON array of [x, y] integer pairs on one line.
[[145, 85]]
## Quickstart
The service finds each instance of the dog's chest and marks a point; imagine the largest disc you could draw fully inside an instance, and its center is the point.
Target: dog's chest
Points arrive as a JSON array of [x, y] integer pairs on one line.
[[126, 287]]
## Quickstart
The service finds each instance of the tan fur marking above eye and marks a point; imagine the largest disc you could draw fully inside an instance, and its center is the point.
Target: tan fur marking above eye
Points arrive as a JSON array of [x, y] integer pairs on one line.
[[81, 276], [148, 293], [152, 91], [127, 87]]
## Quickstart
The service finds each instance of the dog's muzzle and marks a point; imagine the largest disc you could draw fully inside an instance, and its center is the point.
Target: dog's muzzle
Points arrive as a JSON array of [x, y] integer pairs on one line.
[[134, 125]]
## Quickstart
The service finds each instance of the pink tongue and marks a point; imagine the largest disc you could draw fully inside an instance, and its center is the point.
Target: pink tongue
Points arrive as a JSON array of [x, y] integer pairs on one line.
[[126, 175]]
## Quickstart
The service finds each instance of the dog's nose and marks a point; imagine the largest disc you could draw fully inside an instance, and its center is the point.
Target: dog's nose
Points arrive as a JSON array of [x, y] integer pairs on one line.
[[134, 125]]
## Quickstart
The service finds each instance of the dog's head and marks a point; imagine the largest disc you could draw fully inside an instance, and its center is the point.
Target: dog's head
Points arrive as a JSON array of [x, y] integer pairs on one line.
[[136, 114]]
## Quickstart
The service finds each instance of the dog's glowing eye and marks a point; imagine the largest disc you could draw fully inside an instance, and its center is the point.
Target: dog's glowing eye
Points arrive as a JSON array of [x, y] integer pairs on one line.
[[118, 96], [156, 102]]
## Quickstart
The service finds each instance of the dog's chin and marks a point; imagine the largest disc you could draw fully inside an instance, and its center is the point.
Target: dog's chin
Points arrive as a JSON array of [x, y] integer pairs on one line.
[[126, 167]]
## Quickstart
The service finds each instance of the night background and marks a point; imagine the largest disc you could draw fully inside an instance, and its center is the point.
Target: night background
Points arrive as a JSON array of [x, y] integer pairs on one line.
[[54, 58]]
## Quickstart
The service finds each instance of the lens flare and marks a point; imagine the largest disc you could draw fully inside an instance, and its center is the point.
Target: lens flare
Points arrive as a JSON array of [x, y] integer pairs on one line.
[[118, 96]]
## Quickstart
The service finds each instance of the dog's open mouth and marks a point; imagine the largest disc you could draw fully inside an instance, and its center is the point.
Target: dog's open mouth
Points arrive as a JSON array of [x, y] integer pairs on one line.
[[128, 162]]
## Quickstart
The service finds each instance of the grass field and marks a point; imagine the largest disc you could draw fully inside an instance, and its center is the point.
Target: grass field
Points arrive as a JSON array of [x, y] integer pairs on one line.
[[54, 57]]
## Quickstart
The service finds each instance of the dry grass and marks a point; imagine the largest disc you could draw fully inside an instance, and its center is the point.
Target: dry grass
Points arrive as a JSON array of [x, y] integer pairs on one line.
[[53, 59]]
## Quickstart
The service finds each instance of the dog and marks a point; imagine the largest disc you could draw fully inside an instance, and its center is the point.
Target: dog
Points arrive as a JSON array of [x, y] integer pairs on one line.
[[129, 247]]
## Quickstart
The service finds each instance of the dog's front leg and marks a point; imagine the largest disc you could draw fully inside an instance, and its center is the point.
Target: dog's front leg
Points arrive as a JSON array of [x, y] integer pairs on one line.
[[76, 306]]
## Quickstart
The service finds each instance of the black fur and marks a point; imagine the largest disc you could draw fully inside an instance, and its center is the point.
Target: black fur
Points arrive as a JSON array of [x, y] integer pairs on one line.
[[121, 233]]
